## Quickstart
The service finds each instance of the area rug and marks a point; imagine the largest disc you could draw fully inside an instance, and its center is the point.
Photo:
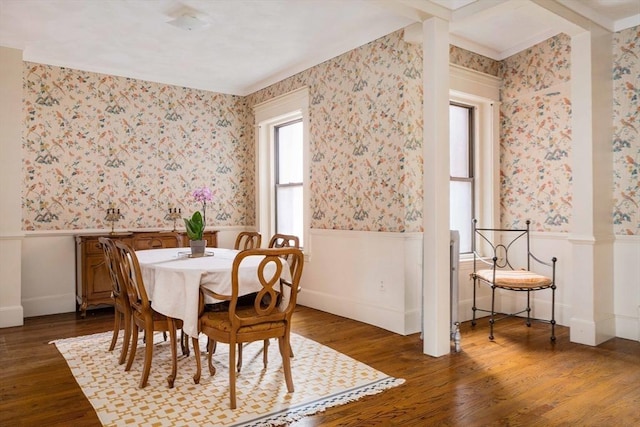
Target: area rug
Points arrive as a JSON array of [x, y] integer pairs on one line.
[[322, 378]]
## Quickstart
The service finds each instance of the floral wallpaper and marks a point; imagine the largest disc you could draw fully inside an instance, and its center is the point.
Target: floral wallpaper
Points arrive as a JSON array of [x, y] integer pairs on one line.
[[94, 142], [473, 61], [626, 132], [365, 136], [535, 140]]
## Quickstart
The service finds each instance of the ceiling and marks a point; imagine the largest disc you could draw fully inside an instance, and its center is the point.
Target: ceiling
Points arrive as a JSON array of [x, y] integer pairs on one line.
[[246, 45]]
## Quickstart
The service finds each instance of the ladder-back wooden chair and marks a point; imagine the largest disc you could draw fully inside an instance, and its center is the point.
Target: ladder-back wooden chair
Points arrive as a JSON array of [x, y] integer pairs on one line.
[[145, 317], [121, 306], [493, 248]]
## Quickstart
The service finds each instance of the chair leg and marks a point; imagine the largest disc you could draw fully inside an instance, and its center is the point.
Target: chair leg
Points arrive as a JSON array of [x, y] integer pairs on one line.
[[211, 348], [134, 347], [284, 344], [265, 353], [184, 343], [473, 307], [232, 375], [148, 355], [196, 351], [239, 357], [116, 329], [127, 339], [492, 318], [553, 312], [529, 308]]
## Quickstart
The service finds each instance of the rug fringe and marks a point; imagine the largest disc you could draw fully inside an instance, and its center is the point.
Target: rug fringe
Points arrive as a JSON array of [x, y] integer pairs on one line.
[[291, 415]]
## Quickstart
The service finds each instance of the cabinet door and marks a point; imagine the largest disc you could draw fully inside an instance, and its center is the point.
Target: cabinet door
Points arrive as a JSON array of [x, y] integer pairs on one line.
[[210, 236], [156, 241], [98, 279]]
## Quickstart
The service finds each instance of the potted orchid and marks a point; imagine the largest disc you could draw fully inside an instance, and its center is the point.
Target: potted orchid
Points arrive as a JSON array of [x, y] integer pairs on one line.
[[196, 224]]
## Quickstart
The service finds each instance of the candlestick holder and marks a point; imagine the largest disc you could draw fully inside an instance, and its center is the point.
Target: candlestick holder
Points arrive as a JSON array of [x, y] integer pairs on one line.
[[174, 215], [112, 216]]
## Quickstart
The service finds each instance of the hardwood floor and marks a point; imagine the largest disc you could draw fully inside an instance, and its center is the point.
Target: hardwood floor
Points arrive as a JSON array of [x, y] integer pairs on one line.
[[520, 379]]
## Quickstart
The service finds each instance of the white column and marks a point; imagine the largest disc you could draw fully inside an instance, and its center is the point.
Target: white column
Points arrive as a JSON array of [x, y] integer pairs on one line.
[[436, 187], [592, 320], [11, 312]]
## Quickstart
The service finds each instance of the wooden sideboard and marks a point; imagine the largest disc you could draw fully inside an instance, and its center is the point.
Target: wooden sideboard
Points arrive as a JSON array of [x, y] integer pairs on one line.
[[93, 284]]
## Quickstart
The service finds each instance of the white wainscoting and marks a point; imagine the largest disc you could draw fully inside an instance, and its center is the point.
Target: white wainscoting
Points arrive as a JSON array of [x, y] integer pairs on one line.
[[626, 276], [49, 269], [372, 277]]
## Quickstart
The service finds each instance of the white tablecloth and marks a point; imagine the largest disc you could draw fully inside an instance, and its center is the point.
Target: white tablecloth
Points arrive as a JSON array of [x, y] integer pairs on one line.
[[173, 280]]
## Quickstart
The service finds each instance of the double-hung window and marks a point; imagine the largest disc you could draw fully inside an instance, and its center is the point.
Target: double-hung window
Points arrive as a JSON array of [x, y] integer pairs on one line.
[[289, 179], [461, 181], [282, 169]]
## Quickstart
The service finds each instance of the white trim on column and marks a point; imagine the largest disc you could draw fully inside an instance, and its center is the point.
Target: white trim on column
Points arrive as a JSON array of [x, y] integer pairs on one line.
[[436, 291]]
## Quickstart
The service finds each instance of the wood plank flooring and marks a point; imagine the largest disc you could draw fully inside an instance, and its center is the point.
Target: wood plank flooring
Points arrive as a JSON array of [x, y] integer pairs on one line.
[[521, 379]]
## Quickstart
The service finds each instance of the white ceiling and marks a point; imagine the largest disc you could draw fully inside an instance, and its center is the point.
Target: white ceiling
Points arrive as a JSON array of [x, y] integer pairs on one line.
[[248, 44]]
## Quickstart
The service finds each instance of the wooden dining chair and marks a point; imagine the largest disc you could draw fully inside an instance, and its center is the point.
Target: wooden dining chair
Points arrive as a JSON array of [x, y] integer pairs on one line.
[[248, 240], [121, 306], [260, 321], [280, 240], [144, 317]]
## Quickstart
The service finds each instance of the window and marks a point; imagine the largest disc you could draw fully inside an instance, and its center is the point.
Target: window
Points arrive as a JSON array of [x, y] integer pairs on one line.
[[474, 102], [462, 183], [289, 179], [282, 168]]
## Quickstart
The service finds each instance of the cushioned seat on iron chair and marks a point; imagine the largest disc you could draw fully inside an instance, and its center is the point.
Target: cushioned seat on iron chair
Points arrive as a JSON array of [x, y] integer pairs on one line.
[[497, 244]]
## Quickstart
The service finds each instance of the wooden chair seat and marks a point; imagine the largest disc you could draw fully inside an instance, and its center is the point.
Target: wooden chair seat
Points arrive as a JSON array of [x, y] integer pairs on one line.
[[219, 322]]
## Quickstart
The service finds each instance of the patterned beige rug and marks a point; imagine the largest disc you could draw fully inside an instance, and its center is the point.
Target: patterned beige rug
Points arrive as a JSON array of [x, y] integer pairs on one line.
[[322, 378]]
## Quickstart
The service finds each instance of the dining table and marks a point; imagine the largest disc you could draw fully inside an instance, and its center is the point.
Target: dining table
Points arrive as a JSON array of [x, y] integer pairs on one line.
[[172, 279]]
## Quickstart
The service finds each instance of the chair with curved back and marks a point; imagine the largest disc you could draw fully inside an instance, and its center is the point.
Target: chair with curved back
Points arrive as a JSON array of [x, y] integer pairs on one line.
[[121, 306], [144, 317], [279, 240], [499, 245], [248, 240], [259, 321]]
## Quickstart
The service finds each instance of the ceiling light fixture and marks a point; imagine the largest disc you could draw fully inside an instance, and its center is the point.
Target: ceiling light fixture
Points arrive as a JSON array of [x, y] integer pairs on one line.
[[188, 19]]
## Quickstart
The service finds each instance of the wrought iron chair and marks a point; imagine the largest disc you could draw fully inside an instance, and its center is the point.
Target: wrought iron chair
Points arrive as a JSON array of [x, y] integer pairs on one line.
[[498, 244]]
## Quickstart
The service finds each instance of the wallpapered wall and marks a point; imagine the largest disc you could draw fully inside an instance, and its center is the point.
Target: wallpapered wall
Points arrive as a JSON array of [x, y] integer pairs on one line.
[[535, 137], [91, 140], [626, 129], [95, 141], [365, 136]]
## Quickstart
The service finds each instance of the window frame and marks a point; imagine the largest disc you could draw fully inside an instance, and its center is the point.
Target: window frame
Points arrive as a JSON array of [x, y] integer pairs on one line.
[[267, 115], [276, 174], [471, 166], [482, 92]]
